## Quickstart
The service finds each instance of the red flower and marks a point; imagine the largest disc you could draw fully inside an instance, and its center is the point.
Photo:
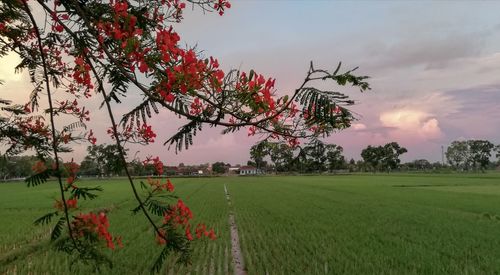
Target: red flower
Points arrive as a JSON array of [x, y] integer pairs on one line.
[[170, 186], [59, 28], [71, 203]]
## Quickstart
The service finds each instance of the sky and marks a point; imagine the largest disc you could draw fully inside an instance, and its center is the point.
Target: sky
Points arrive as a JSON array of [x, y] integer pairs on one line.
[[434, 70]]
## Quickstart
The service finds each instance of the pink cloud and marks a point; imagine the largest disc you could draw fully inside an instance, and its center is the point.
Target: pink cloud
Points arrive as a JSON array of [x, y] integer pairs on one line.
[[412, 125]]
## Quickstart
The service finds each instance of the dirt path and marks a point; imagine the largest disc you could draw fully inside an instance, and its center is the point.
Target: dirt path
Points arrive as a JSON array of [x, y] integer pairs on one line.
[[238, 263]]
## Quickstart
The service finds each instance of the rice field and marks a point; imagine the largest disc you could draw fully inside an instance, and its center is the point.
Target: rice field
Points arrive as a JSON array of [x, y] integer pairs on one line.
[[353, 224]]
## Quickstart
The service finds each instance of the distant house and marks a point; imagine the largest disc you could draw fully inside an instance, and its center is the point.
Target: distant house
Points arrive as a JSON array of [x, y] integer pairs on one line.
[[249, 170]]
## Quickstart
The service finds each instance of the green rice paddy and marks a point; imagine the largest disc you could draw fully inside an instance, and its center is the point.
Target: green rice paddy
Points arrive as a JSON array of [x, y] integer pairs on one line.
[[353, 224]]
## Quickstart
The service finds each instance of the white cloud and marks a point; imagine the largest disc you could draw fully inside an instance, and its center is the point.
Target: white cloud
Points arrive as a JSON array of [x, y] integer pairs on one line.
[[411, 123]]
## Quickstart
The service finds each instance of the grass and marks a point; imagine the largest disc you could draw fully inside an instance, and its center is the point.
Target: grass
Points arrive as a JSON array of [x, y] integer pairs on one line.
[[360, 224]]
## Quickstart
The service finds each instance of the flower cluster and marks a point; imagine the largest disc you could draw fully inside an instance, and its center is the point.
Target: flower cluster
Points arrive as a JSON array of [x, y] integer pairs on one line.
[[70, 204], [91, 138], [157, 185], [146, 133], [221, 5], [71, 168], [93, 225], [81, 73], [71, 107], [39, 167], [156, 162], [201, 230], [33, 125]]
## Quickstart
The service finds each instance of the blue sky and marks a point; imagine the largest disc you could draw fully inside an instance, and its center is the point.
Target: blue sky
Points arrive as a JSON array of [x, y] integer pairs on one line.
[[434, 68]]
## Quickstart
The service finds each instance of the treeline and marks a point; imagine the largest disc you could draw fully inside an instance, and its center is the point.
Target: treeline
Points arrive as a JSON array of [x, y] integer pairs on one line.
[[16, 166], [318, 157], [270, 157]]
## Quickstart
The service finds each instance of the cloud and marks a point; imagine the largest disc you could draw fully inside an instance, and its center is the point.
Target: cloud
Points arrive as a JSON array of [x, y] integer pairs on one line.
[[414, 124], [432, 52], [358, 126]]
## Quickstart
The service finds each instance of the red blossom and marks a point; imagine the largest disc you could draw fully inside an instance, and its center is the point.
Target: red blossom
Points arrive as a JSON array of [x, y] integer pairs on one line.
[[146, 133], [94, 224], [91, 138], [252, 130], [70, 204], [157, 163], [39, 167]]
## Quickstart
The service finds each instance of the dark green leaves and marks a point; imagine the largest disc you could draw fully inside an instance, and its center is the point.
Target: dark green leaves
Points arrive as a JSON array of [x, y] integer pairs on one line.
[[58, 228], [175, 242], [139, 114], [85, 192], [46, 219], [184, 137], [39, 178]]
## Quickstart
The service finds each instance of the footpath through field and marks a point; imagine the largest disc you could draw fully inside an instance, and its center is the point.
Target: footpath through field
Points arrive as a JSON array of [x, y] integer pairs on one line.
[[238, 263]]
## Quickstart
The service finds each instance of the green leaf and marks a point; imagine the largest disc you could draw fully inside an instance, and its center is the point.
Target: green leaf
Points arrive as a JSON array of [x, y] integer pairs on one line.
[[184, 138], [84, 192], [160, 259], [58, 228], [45, 219], [39, 178], [157, 207]]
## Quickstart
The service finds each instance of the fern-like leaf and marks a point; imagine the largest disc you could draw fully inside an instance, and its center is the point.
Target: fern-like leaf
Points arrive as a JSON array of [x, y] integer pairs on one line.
[[45, 219], [73, 126], [39, 178], [157, 207], [160, 259], [184, 137], [85, 192], [140, 114], [58, 228]]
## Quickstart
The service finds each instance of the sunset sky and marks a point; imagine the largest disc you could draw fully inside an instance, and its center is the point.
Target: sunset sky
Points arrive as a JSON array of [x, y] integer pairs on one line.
[[434, 68]]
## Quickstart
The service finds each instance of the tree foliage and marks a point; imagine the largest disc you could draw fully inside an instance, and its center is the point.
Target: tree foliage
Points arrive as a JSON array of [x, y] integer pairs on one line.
[[383, 158], [314, 157], [219, 167], [469, 154]]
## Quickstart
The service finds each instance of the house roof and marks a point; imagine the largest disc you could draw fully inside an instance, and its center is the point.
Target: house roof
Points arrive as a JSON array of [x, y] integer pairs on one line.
[[247, 168]]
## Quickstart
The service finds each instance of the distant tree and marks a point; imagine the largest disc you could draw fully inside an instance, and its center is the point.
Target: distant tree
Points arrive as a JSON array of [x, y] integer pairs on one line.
[[351, 165], [383, 157], [372, 157], [391, 153], [219, 167], [281, 155], [419, 164], [334, 157], [258, 152], [137, 168], [16, 166], [497, 155], [316, 157], [89, 167], [106, 159], [457, 155], [480, 153], [470, 154], [423, 164], [362, 166]]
